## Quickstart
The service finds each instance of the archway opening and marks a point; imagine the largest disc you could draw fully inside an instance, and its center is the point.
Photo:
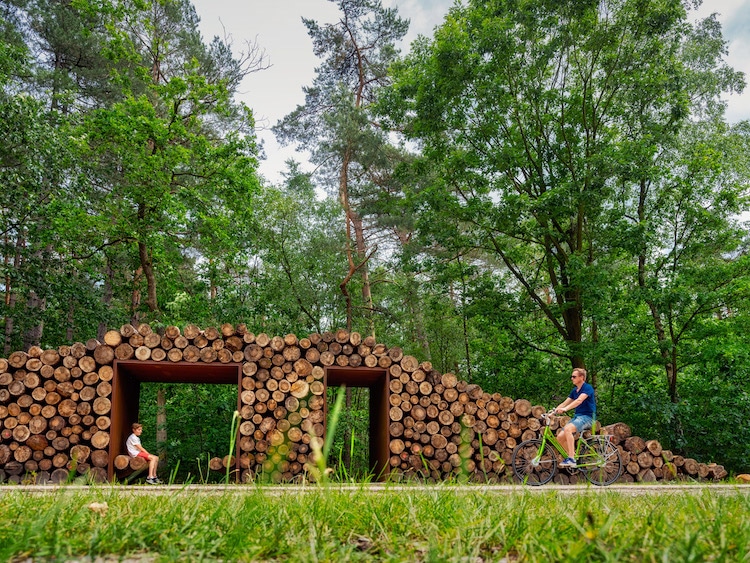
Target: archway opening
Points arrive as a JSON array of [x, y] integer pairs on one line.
[[373, 410], [126, 392]]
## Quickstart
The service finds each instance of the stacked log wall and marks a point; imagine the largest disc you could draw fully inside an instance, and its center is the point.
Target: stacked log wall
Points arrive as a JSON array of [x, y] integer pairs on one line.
[[55, 409]]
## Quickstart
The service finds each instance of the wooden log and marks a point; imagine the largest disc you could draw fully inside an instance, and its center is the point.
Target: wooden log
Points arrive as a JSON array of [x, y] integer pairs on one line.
[[60, 459], [633, 468], [104, 389], [22, 453], [172, 332], [143, 353], [128, 330], [124, 352], [59, 475], [104, 354], [16, 388], [18, 359], [208, 355], [635, 444], [191, 353], [174, 355], [136, 340], [97, 475], [80, 453], [152, 340], [100, 458], [191, 331], [645, 460], [62, 374], [690, 466], [654, 447], [137, 463], [50, 357], [100, 440], [78, 350], [717, 471], [199, 341], [113, 338], [21, 433]]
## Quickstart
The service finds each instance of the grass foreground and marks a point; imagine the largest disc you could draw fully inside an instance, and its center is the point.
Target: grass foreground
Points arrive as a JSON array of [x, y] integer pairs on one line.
[[442, 523]]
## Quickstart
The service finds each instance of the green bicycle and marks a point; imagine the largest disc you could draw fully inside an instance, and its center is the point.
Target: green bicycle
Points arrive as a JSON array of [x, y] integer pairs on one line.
[[535, 461]]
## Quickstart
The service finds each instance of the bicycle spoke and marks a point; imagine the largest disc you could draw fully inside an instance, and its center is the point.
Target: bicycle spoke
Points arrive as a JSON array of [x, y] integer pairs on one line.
[[532, 465], [600, 461]]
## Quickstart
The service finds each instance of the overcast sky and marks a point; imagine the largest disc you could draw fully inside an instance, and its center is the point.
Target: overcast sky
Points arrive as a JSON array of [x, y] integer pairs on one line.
[[276, 26]]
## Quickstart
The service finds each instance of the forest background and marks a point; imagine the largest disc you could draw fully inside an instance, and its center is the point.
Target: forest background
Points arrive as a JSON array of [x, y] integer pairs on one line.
[[536, 186]]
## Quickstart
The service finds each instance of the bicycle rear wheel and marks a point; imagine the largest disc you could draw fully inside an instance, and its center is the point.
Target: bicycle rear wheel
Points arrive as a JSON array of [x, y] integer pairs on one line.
[[600, 461], [531, 464]]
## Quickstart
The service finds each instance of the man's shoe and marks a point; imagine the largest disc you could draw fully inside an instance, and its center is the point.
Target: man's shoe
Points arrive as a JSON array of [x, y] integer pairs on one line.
[[568, 462], [152, 481]]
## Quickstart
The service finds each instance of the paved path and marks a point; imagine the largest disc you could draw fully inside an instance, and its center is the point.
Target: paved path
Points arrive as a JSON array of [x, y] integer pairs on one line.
[[279, 490]]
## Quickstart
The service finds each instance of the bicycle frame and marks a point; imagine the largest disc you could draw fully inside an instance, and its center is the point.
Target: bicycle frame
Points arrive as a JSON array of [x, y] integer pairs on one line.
[[535, 460], [549, 436]]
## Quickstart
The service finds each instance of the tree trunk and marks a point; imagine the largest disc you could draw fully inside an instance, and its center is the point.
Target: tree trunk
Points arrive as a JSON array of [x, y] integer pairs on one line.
[[417, 316], [346, 457], [34, 308], [161, 424], [106, 299], [10, 295], [148, 271], [670, 365], [353, 220], [135, 297]]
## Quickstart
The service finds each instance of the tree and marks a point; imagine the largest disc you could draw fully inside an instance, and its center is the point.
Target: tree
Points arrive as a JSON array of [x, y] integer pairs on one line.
[[174, 159], [300, 258], [691, 262], [33, 158], [335, 119], [525, 108]]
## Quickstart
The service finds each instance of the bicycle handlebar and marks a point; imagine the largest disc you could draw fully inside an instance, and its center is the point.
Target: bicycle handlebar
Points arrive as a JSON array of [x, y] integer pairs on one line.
[[547, 416]]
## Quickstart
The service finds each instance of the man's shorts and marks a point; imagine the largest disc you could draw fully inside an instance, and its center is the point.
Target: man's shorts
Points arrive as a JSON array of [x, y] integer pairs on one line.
[[582, 422], [144, 455]]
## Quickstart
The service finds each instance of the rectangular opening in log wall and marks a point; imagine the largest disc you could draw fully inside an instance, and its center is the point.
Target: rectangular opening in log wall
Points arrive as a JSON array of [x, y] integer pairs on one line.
[[376, 380], [126, 389]]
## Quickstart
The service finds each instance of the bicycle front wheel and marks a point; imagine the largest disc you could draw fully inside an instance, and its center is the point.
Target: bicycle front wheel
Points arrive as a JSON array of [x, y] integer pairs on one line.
[[532, 464], [600, 460]]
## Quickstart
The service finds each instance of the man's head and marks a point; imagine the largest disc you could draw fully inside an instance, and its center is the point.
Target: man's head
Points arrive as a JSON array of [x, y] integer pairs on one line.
[[137, 428], [579, 374]]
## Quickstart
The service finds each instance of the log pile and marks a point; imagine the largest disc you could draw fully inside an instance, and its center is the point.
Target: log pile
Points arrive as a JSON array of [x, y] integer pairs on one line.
[[646, 460], [55, 409]]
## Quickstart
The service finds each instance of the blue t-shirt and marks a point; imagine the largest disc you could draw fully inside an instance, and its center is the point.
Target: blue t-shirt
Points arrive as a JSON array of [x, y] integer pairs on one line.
[[587, 407]]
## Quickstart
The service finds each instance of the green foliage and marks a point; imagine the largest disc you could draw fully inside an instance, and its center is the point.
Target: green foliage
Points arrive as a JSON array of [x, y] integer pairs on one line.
[[715, 403], [199, 421], [349, 454]]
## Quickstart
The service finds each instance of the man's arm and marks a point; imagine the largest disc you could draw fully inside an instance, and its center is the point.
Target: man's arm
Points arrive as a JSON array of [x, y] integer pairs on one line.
[[570, 404]]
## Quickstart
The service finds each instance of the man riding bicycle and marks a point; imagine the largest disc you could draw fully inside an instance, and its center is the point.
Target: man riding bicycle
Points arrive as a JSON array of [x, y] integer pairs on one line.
[[581, 399]]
